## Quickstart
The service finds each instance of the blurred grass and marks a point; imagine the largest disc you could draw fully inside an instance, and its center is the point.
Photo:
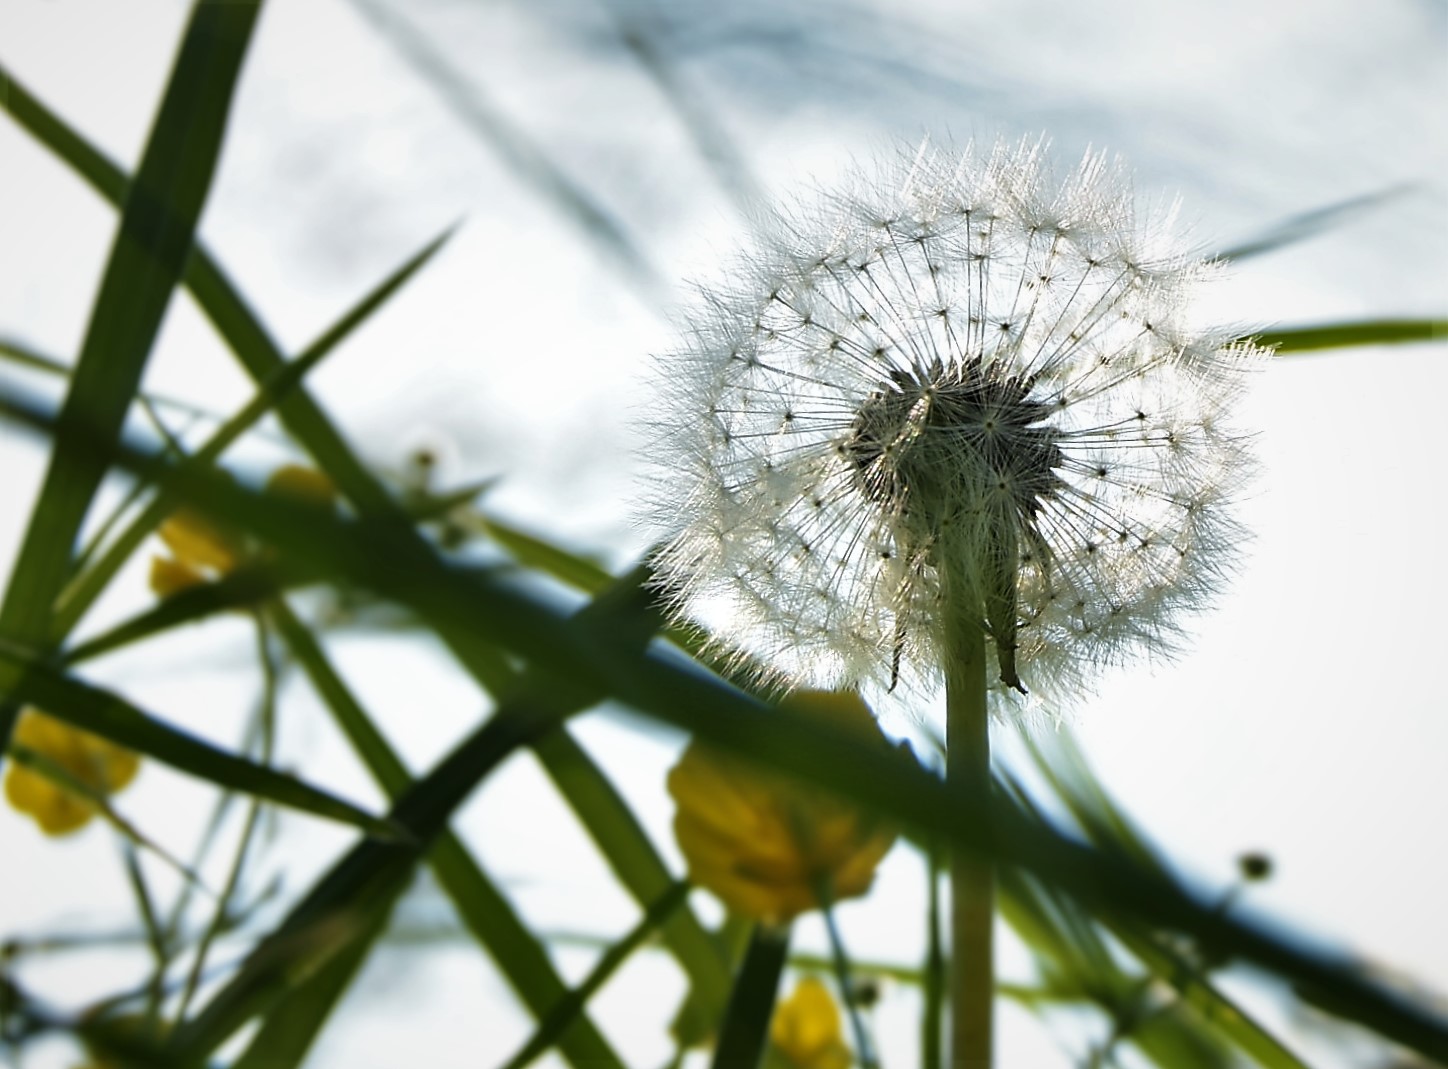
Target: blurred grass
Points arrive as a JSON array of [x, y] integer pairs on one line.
[[152, 243]]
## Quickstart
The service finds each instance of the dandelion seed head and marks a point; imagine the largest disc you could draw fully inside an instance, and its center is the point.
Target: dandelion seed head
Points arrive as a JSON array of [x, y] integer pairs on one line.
[[970, 367]]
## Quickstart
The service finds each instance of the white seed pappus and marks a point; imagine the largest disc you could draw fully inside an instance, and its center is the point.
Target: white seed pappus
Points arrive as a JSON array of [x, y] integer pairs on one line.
[[967, 369]]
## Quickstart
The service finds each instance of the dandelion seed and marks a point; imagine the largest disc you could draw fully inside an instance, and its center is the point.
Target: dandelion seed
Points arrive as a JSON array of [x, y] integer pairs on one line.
[[977, 376]]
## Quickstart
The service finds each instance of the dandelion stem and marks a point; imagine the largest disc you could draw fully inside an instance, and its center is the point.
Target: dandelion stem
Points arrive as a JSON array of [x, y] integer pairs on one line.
[[972, 878]]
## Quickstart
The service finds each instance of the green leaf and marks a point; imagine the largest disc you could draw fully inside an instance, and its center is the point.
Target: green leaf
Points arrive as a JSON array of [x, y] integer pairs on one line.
[[576, 571], [636, 863], [1063, 767], [219, 301], [480, 904], [150, 249], [112, 717], [745, 1033], [274, 388], [247, 586], [290, 1029], [1342, 335], [38, 361], [375, 871], [1309, 224], [562, 1016]]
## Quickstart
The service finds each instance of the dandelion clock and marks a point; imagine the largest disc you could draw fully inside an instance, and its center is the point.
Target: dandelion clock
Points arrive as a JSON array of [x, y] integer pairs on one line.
[[956, 420]]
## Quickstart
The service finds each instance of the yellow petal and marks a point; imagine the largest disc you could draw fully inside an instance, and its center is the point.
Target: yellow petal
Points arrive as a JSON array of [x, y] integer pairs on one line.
[[807, 1028], [302, 484], [764, 842], [169, 576], [199, 542], [101, 765]]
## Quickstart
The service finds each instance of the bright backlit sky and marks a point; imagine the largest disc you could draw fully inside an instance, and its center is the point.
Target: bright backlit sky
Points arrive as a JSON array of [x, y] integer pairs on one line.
[[1307, 721]]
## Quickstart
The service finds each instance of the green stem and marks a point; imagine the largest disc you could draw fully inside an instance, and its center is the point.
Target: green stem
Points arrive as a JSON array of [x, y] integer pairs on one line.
[[931, 1055], [972, 877], [745, 1032], [864, 1049]]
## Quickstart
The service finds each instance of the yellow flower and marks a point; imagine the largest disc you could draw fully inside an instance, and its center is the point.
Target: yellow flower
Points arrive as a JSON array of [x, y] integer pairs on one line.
[[202, 550], [807, 1029], [766, 843], [100, 765], [302, 484]]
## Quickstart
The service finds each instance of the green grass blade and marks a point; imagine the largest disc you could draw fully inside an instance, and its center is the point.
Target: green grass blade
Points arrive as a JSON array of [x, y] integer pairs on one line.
[[745, 1032], [289, 1030], [375, 871], [275, 387], [1309, 224], [481, 906], [632, 857], [532, 551], [335, 911], [933, 981], [1064, 767], [35, 360], [1343, 335], [218, 299], [241, 589], [112, 717], [1224, 1013], [150, 249], [566, 1012]]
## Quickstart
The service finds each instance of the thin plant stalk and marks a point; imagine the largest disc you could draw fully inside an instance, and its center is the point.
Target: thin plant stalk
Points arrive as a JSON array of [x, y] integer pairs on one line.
[[972, 878], [864, 1049]]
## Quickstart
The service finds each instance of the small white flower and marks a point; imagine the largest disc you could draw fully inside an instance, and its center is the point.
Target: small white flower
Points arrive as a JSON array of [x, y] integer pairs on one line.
[[969, 372]]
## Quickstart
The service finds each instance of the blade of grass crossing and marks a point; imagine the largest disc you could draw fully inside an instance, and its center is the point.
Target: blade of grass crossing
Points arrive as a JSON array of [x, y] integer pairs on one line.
[[745, 1032], [626, 846], [249, 340], [112, 717], [563, 1015], [218, 299], [146, 260], [479, 903], [274, 388], [288, 1031]]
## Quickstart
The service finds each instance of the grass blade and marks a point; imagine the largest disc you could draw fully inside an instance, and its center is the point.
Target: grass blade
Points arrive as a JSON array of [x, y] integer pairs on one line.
[[289, 1030], [112, 717], [1342, 335], [1309, 224], [275, 387], [480, 905], [745, 1032], [556, 1023], [147, 257]]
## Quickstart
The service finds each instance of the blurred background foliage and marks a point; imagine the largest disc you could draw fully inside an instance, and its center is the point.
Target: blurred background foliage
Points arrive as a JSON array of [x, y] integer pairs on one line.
[[287, 537]]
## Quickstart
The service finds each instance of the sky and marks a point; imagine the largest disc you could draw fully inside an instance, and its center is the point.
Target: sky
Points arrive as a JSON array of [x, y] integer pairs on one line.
[[1305, 720]]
